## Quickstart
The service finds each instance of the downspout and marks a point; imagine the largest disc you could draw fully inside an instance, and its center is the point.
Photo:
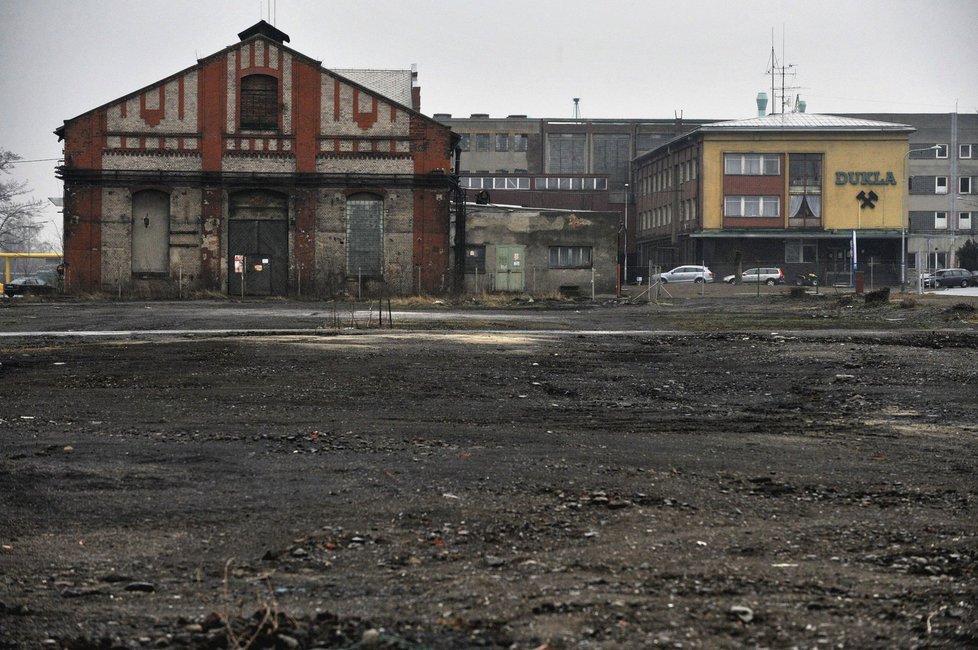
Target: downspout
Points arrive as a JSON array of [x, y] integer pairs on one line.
[[458, 198], [953, 155]]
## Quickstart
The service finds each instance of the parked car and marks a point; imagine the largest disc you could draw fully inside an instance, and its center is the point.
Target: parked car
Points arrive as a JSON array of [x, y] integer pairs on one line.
[[689, 273], [767, 275], [950, 278], [28, 286], [49, 275]]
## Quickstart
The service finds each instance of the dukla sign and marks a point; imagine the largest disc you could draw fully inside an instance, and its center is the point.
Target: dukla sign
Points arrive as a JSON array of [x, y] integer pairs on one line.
[[865, 178]]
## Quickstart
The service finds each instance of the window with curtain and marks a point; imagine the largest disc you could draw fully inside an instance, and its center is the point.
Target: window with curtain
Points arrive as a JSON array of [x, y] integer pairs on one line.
[[805, 186]]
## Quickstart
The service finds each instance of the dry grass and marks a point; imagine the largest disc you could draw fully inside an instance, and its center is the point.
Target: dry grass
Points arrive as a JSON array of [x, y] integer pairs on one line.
[[264, 622]]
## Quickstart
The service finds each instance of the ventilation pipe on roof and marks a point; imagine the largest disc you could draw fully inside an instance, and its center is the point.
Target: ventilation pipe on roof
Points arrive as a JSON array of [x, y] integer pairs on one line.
[[761, 104]]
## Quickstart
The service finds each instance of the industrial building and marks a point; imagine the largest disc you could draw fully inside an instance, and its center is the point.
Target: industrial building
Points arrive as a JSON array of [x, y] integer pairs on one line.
[[257, 171], [578, 163]]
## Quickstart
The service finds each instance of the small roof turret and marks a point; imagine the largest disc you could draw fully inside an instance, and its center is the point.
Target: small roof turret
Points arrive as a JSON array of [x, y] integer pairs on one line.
[[264, 29]]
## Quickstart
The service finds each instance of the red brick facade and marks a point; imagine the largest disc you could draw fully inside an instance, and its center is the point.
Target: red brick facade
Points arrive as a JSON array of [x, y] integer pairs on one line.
[[183, 137]]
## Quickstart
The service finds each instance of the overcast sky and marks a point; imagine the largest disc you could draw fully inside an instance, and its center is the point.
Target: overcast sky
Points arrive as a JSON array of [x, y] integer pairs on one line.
[[622, 58]]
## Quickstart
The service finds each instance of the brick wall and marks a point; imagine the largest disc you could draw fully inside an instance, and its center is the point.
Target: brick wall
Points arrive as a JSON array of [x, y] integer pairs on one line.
[[188, 125]]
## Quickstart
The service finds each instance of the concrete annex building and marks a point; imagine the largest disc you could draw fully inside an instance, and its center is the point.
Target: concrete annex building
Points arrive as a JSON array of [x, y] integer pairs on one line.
[[257, 171]]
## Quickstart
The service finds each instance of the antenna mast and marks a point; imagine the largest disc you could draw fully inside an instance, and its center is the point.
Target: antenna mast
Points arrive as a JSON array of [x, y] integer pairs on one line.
[[577, 108], [776, 70]]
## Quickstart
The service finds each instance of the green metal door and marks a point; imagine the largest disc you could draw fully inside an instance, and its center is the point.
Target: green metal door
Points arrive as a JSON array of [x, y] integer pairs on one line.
[[510, 265]]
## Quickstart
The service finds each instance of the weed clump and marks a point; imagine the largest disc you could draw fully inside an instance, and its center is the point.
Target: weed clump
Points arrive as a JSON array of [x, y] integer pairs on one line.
[[878, 297]]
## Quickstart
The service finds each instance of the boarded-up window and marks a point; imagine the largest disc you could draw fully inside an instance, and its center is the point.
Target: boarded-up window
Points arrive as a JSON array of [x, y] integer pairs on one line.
[[612, 157], [475, 259], [150, 232], [567, 153], [259, 102], [365, 235]]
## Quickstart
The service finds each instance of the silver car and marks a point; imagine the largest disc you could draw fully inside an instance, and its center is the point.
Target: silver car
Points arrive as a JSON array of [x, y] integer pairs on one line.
[[688, 273], [770, 276]]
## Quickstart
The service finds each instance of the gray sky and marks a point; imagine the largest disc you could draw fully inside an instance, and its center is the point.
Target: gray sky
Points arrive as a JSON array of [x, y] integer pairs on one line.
[[623, 58]]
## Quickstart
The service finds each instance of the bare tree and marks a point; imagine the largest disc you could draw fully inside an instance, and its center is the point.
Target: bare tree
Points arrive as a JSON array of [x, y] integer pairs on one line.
[[17, 210]]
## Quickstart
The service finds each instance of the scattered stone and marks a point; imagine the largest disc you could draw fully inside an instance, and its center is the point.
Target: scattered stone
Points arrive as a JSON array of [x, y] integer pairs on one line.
[[742, 613], [212, 621], [370, 638], [72, 592], [115, 577]]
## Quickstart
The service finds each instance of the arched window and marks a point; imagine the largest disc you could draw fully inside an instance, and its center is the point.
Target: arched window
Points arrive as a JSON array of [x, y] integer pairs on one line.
[[365, 235], [259, 102]]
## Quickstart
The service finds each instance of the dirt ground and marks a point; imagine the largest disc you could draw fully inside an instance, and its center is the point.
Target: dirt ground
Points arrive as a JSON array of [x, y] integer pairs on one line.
[[714, 471]]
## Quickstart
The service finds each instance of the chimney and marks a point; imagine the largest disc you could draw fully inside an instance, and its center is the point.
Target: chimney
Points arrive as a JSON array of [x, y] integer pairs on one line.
[[415, 88], [761, 104]]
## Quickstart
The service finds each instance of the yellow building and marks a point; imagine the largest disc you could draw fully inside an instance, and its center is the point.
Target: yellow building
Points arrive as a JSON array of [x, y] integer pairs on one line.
[[783, 190]]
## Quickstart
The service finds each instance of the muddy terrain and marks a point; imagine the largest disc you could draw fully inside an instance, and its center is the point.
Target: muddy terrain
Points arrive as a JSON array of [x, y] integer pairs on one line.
[[751, 471]]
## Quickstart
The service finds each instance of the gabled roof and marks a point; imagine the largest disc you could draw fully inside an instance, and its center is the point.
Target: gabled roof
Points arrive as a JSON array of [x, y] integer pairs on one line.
[[262, 29], [804, 122], [393, 84]]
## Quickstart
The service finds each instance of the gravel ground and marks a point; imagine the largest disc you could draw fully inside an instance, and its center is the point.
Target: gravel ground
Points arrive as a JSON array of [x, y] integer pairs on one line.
[[712, 471]]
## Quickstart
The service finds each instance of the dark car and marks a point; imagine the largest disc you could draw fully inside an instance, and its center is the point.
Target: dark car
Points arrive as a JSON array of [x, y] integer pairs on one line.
[[951, 278], [28, 286]]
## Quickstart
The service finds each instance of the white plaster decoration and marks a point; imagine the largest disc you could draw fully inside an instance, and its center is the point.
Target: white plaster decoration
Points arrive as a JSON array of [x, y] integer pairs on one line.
[[232, 90], [286, 93]]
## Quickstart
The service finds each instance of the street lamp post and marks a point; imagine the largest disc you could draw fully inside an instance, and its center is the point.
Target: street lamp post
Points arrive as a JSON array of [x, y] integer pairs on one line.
[[905, 214]]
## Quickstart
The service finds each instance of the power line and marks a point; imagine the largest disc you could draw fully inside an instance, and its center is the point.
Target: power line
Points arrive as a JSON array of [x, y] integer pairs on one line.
[[17, 162]]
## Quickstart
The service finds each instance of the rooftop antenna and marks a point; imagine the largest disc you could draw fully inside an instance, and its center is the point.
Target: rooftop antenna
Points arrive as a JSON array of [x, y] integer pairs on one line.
[[271, 11], [577, 108], [777, 70]]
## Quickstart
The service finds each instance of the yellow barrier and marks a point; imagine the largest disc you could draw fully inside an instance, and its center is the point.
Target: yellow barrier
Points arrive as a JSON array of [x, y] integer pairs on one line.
[[7, 257]]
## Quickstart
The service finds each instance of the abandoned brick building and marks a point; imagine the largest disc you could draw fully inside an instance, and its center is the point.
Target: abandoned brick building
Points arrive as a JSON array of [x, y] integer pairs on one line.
[[259, 172]]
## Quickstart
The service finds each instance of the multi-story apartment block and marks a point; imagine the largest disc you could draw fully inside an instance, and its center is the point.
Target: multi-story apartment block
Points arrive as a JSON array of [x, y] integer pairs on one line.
[[942, 206]]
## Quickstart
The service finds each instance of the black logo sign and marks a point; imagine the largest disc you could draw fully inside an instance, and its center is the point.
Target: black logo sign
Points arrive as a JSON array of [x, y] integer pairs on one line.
[[869, 199]]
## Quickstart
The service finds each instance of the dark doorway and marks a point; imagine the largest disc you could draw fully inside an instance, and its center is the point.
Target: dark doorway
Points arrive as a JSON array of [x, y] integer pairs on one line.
[[258, 245]]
